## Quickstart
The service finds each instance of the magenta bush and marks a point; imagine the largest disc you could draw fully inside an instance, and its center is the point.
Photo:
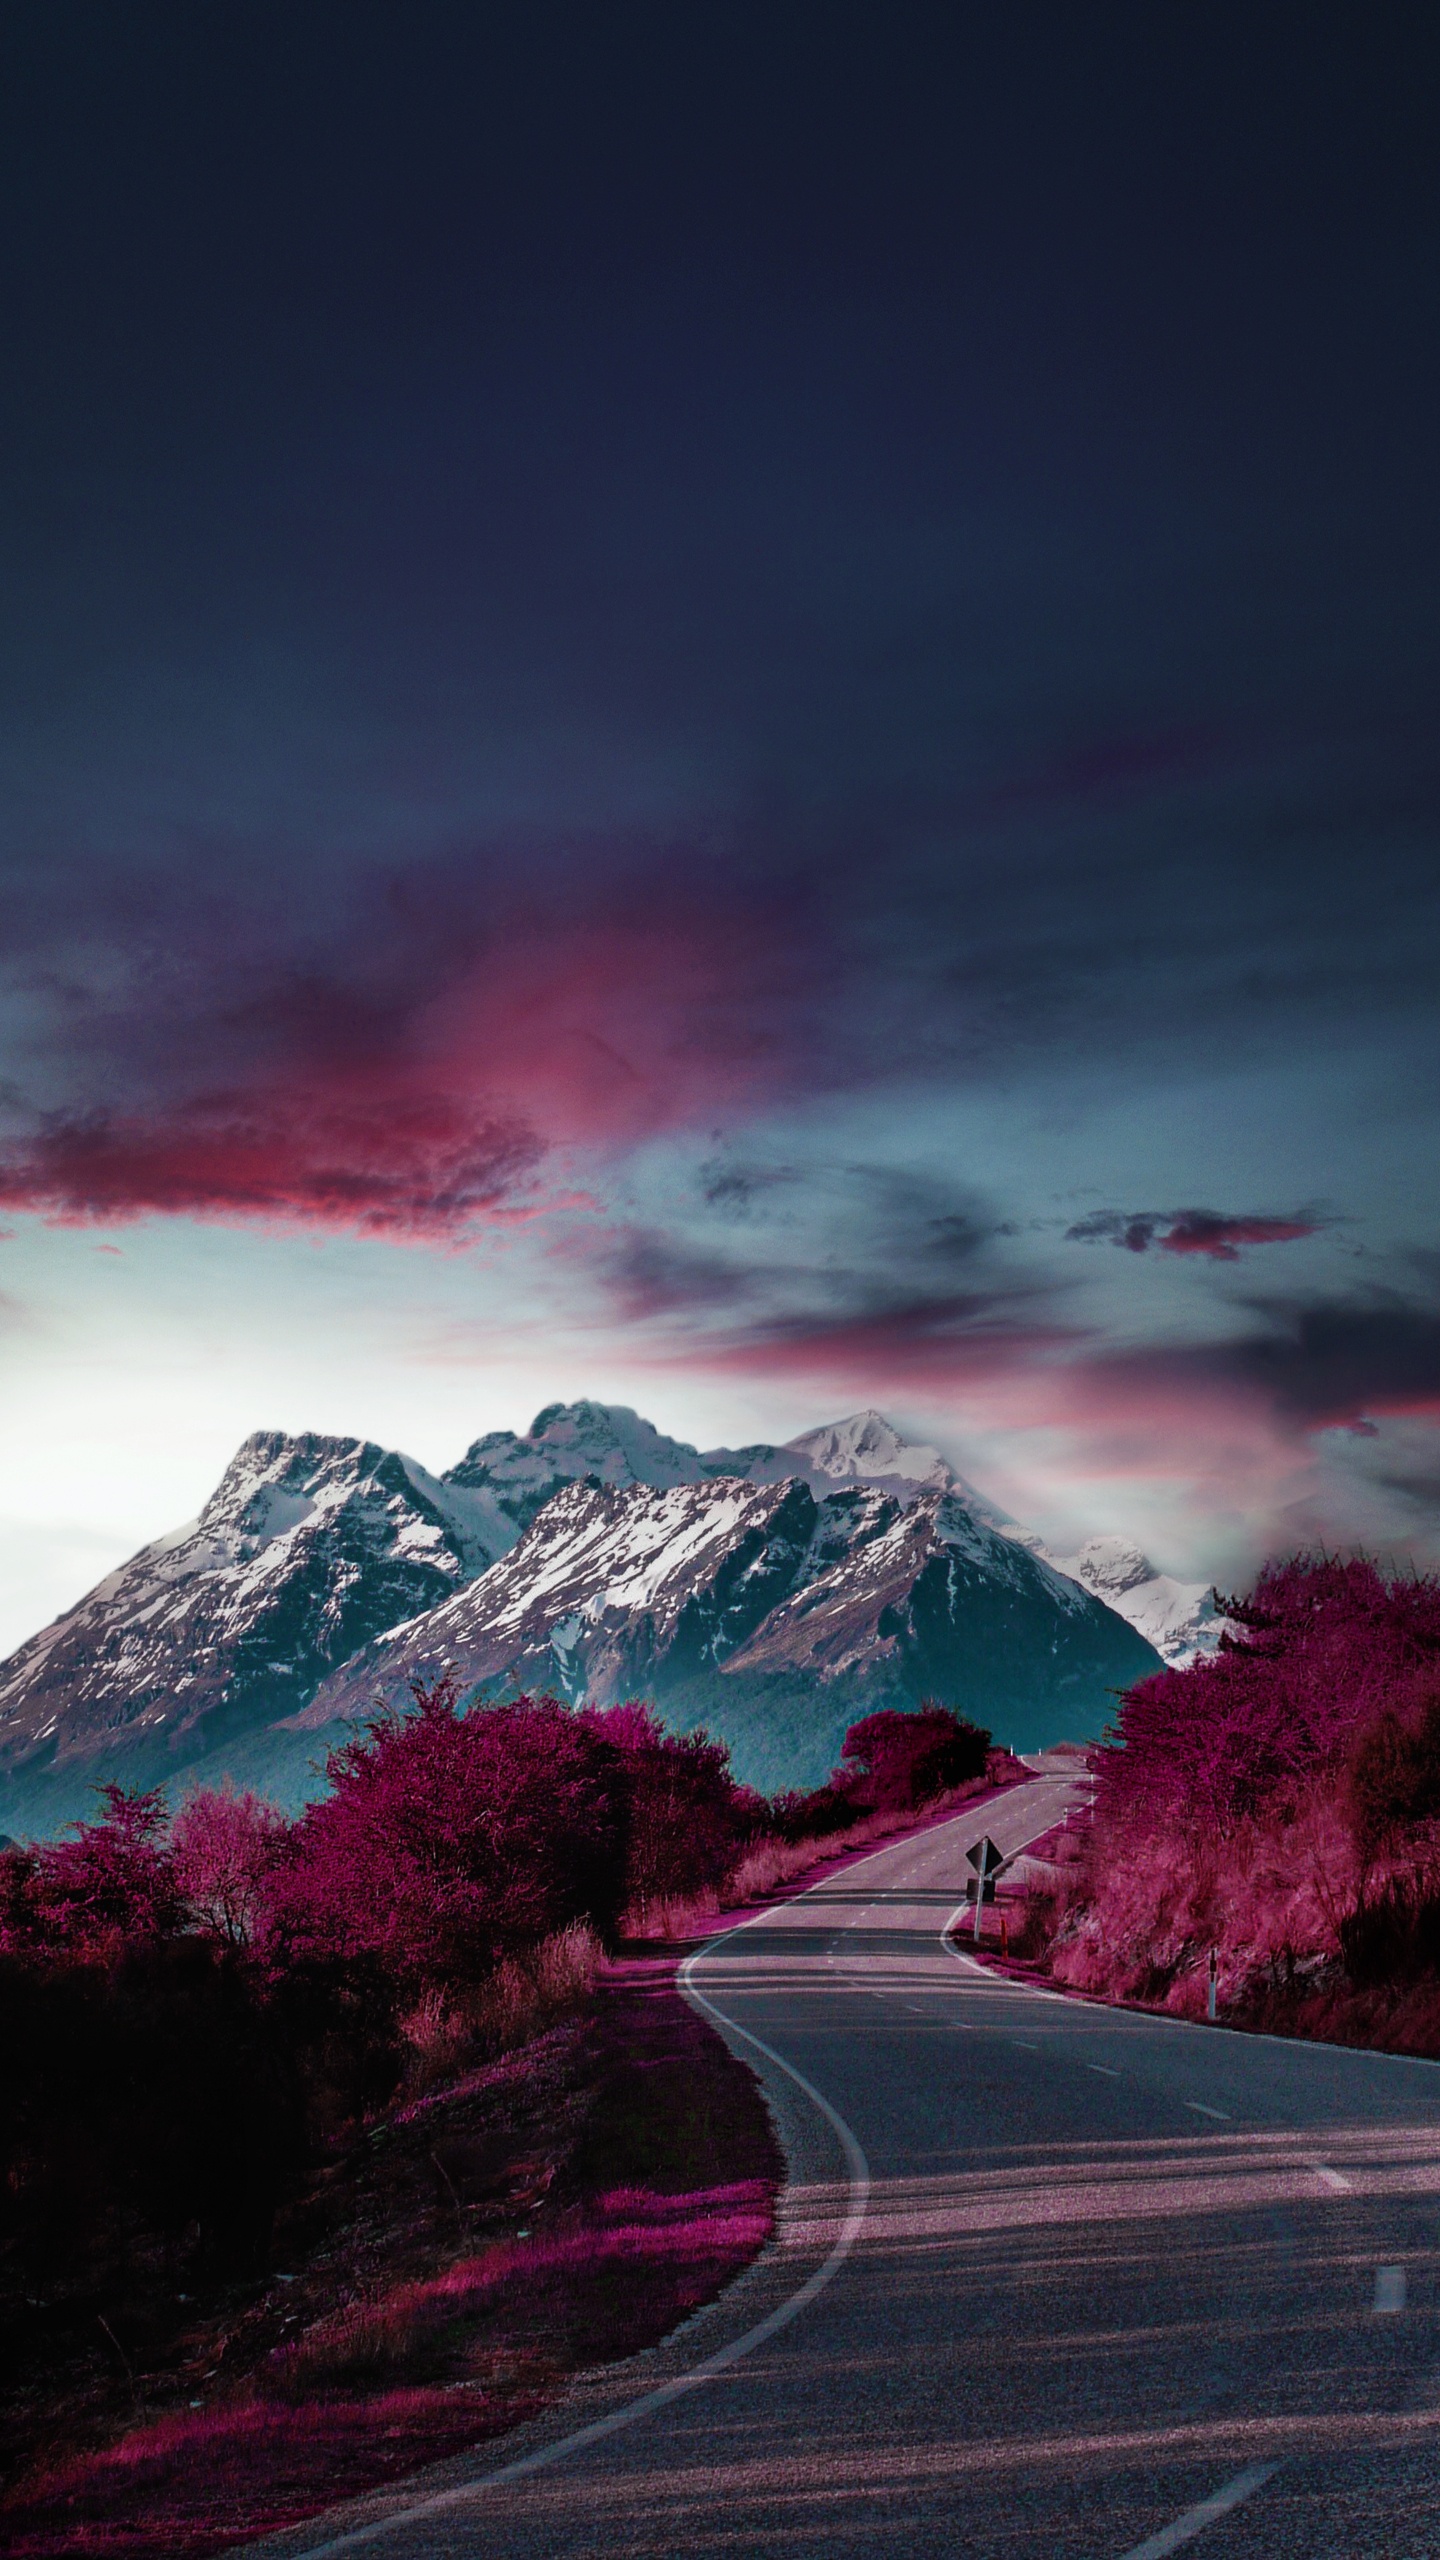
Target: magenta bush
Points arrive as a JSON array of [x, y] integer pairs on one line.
[[895, 1760], [1279, 1801], [111, 1883], [227, 1850], [450, 1840], [685, 1818]]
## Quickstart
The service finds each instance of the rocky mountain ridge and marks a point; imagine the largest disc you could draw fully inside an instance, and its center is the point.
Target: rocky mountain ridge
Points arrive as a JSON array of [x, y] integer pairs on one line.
[[308, 1546], [763, 1589], [773, 1614]]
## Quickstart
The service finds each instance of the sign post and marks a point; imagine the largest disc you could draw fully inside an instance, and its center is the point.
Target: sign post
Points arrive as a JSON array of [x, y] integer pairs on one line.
[[987, 1861]]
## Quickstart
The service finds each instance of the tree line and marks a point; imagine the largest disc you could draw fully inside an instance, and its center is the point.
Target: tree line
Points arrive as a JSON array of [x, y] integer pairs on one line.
[[194, 2008]]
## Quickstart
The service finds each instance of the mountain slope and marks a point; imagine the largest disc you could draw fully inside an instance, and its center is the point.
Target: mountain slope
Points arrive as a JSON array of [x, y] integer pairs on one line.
[[307, 1547], [591, 1554], [518, 1472], [771, 1615], [1179, 1618]]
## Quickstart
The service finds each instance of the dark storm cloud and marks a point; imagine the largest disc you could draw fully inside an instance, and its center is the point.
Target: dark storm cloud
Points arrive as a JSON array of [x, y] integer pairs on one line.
[[575, 573], [1340, 1362], [1322, 1364], [649, 1273], [827, 1260]]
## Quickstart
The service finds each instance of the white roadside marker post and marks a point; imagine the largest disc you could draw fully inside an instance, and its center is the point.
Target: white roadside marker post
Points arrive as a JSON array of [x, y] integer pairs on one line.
[[1210, 2000]]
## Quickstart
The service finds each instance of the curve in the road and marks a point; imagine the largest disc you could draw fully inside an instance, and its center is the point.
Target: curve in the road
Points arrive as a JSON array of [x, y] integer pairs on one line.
[[1118, 2276], [441, 2502], [648, 2403]]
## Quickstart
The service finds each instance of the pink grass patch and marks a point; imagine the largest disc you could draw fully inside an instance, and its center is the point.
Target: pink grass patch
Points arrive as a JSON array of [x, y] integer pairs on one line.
[[494, 2334], [180, 2485]]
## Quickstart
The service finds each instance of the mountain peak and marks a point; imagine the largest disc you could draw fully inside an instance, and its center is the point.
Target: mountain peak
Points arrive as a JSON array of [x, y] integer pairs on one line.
[[609, 1441], [867, 1449]]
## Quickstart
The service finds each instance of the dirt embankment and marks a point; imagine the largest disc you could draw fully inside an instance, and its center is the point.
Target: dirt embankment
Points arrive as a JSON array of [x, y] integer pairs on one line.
[[563, 2206]]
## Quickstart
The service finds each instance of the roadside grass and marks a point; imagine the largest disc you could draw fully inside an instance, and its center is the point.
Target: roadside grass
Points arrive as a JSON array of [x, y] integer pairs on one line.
[[520, 2000], [773, 1866], [556, 2209], [574, 2163]]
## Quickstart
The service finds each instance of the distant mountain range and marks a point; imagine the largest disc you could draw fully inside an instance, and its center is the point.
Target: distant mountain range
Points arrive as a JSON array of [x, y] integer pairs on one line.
[[771, 1593]]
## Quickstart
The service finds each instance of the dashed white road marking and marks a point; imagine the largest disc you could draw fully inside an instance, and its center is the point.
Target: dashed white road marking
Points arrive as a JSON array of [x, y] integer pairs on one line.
[[1104, 2070], [1330, 2178], [1389, 2289], [1222, 2115], [1195, 2519]]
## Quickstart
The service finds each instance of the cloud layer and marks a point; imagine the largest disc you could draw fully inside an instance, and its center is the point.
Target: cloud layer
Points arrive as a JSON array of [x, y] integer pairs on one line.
[[738, 690]]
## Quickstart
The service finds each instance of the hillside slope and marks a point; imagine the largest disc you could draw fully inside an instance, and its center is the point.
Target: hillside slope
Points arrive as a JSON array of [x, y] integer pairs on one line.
[[728, 1584], [771, 1615]]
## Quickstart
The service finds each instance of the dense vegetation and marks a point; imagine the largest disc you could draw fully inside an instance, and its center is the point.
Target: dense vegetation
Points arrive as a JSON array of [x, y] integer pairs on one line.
[[1279, 1802], [195, 2009]]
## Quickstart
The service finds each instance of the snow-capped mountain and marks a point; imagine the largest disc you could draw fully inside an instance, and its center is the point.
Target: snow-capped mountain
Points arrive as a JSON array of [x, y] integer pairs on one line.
[[866, 1449], [307, 1547], [771, 1614], [517, 1472], [771, 1591], [1180, 1619]]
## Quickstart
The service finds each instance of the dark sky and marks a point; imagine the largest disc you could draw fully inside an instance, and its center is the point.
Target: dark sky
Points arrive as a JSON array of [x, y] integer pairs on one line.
[[791, 649]]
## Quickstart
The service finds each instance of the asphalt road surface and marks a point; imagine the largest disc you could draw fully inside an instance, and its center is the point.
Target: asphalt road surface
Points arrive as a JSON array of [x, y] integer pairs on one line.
[[1051, 2280]]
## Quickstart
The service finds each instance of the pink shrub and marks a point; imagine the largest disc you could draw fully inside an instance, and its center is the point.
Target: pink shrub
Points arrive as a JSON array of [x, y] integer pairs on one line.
[[685, 1818], [1327, 1646], [1252, 1802], [112, 1882], [449, 1841], [895, 1759]]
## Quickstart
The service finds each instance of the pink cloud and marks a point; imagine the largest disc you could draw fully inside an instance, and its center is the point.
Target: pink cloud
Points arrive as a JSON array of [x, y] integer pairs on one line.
[[391, 1165], [1202, 1231], [579, 1035], [1211, 1232]]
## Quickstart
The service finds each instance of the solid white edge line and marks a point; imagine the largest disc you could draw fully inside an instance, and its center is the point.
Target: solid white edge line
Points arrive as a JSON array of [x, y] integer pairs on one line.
[[1195, 2519], [445, 2501]]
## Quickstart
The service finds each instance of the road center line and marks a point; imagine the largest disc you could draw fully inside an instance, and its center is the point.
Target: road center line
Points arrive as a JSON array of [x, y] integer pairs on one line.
[[1197, 2107], [1195, 2519], [1105, 2070]]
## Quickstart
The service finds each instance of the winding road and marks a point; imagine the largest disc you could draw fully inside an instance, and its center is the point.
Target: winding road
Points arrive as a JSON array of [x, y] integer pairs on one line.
[[1050, 2279]]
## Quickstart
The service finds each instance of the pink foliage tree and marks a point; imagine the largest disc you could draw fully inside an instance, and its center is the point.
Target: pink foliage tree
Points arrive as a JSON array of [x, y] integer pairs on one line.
[[111, 1883], [896, 1759], [227, 1849], [449, 1840], [685, 1816], [1327, 1645], [1279, 1801]]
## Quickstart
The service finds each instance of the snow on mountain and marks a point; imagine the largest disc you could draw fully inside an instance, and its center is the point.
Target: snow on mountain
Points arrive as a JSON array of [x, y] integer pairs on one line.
[[768, 1590], [594, 1595], [519, 1472], [866, 1449], [306, 1548], [771, 1614], [1180, 1619]]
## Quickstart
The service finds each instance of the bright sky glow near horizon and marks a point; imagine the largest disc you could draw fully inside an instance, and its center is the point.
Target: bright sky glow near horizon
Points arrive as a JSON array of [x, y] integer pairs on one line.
[[733, 710]]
